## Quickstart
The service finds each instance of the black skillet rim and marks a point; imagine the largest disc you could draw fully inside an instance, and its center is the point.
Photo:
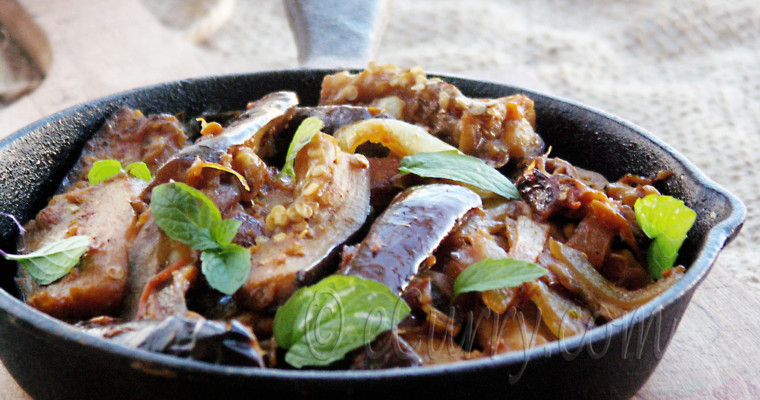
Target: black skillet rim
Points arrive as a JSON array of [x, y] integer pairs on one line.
[[716, 238]]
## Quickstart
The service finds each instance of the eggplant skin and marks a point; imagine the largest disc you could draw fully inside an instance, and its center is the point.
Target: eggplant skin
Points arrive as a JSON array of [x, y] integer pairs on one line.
[[194, 338], [255, 127], [388, 350], [408, 232], [335, 117]]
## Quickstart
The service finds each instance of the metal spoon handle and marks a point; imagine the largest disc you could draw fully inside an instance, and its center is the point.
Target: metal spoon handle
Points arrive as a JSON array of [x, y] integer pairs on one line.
[[337, 33]]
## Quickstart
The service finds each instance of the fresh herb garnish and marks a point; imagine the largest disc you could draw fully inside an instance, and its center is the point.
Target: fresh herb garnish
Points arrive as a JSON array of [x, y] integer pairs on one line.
[[227, 268], [305, 132], [139, 170], [105, 169], [666, 220], [319, 324], [186, 215], [491, 274], [461, 168], [53, 261]]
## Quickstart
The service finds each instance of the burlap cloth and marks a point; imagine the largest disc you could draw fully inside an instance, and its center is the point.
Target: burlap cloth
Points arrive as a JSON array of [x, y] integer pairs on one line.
[[686, 70]]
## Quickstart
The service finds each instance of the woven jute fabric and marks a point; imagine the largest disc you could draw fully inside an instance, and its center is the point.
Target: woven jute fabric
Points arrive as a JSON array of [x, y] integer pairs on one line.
[[686, 70]]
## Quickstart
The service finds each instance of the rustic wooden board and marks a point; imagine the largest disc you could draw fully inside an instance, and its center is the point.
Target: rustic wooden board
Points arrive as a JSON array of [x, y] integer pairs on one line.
[[714, 353]]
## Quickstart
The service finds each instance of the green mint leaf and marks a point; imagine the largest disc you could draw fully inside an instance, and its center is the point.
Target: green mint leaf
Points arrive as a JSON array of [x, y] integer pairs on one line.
[[185, 215], [139, 170], [103, 170], [305, 132], [461, 168], [227, 268], [666, 220], [321, 323], [225, 230], [54, 261], [491, 274]]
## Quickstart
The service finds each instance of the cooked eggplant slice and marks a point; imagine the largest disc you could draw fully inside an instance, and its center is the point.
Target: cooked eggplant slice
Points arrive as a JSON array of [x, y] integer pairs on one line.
[[254, 128], [408, 232], [97, 285], [331, 203], [151, 253], [335, 117], [388, 350], [165, 294], [197, 338], [129, 136]]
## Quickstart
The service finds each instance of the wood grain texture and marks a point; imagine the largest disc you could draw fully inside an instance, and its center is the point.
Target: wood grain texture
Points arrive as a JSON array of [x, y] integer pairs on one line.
[[714, 353], [102, 47], [9, 390]]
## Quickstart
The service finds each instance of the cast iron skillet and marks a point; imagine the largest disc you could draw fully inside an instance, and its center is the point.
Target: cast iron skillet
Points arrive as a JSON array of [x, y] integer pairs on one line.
[[51, 359]]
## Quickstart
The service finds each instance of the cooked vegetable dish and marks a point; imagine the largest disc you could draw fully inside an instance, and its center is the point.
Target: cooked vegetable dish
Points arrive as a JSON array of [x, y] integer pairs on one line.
[[398, 223]]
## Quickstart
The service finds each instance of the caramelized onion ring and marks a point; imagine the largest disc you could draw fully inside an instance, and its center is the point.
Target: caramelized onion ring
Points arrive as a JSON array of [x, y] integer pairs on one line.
[[400, 137], [578, 275]]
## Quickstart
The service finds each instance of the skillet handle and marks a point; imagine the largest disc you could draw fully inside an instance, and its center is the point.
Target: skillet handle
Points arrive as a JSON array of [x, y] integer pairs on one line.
[[337, 33]]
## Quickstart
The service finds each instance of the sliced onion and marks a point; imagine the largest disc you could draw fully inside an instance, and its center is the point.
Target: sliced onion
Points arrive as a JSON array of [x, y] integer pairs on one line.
[[401, 138], [517, 329], [578, 275], [562, 316], [499, 300], [529, 239]]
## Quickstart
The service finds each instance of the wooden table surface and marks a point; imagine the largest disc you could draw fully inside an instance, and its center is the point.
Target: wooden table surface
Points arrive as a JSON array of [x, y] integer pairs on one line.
[[715, 352]]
